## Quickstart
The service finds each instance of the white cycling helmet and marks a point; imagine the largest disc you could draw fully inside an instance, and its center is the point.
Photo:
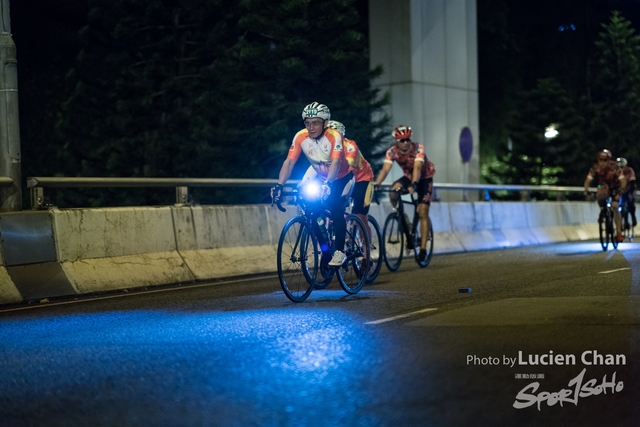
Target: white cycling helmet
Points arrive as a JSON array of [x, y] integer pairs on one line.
[[622, 162], [334, 124], [316, 110]]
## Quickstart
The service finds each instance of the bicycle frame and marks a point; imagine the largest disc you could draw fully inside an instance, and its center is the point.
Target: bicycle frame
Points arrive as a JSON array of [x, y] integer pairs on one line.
[[409, 232], [607, 227], [352, 273], [394, 237]]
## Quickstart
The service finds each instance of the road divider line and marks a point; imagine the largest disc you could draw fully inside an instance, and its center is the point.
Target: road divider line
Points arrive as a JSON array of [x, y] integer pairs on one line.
[[613, 271], [400, 316]]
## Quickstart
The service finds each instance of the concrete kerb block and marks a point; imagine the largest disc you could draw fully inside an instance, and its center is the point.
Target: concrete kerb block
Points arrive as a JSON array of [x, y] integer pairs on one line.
[[542, 218], [9, 293], [118, 248], [472, 226], [445, 240], [511, 219], [462, 218], [223, 241]]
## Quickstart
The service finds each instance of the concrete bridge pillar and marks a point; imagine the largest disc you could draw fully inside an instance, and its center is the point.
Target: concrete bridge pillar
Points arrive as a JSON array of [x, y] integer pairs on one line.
[[428, 49]]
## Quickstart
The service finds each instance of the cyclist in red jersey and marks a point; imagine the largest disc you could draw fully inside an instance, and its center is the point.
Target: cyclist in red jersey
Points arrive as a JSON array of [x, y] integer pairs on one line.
[[612, 181], [324, 149], [418, 177], [629, 192]]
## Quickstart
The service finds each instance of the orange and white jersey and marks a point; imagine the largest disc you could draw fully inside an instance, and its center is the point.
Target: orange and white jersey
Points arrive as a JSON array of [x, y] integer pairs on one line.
[[359, 165], [320, 152]]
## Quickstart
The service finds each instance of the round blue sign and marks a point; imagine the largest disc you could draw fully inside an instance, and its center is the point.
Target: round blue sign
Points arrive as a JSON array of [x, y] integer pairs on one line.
[[466, 144]]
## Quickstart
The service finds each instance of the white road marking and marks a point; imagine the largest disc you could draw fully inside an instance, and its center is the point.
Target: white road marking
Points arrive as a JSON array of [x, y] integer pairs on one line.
[[613, 271], [127, 293], [401, 316]]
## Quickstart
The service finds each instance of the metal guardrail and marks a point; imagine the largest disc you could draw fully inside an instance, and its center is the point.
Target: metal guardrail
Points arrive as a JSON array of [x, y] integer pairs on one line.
[[38, 184], [181, 185]]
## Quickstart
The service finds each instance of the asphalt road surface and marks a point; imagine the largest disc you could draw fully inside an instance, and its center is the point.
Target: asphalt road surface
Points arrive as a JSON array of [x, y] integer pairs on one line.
[[548, 336]]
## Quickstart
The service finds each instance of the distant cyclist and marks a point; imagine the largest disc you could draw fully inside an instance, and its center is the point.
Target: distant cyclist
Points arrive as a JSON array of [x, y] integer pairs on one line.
[[612, 182], [629, 192], [324, 149], [418, 177], [363, 190]]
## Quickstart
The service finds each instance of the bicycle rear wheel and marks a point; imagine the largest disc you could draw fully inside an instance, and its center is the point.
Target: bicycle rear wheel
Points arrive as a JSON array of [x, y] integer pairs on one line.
[[297, 259], [393, 241], [377, 249], [417, 240], [353, 272], [611, 229]]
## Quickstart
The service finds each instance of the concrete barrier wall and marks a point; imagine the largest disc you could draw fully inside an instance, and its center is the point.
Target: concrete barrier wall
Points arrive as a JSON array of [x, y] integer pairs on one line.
[[98, 250], [118, 248]]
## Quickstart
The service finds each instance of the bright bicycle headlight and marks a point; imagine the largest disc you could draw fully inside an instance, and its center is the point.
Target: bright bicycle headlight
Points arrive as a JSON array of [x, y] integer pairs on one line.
[[311, 190]]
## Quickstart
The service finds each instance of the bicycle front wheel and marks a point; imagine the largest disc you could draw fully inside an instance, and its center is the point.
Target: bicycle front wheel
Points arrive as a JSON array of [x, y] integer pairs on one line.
[[297, 259], [418, 241], [604, 235], [377, 249], [611, 229], [393, 238], [353, 272]]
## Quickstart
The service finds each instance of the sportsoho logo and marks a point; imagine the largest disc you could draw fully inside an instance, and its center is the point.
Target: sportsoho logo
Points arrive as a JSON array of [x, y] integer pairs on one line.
[[577, 387]]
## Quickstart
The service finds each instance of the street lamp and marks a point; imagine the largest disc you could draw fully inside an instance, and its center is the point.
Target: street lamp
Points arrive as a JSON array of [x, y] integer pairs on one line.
[[551, 131]]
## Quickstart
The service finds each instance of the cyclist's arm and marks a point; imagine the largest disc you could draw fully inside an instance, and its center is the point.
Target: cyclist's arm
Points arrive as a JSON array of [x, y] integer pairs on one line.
[[386, 167], [333, 170], [417, 169], [286, 170], [587, 181], [623, 182]]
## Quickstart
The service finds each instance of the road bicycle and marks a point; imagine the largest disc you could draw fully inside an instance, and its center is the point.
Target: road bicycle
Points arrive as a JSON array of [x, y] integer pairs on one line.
[[307, 243], [398, 229], [627, 226], [607, 227]]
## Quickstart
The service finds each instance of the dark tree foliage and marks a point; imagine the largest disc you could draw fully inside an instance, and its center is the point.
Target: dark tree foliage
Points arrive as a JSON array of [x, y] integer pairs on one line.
[[535, 159], [498, 72], [614, 110], [317, 51], [139, 81], [206, 88], [606, 115]]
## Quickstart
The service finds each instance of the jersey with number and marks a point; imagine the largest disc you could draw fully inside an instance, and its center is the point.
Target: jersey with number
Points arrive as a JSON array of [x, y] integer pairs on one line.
[[361, 168], [407, 160], [609, 175], [320, 152]]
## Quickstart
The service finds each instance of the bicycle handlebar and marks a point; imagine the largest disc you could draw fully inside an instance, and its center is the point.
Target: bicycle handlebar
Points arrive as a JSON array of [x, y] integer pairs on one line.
[[278, 202], [402, 191]]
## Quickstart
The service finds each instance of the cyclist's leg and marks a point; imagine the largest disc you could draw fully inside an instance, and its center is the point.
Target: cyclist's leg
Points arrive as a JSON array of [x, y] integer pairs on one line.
[[617, 218], [362, 193], [403, 182], [631, 208], [624, 210], [425, 190], [309, 175], [334, 204], [601, 197]]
